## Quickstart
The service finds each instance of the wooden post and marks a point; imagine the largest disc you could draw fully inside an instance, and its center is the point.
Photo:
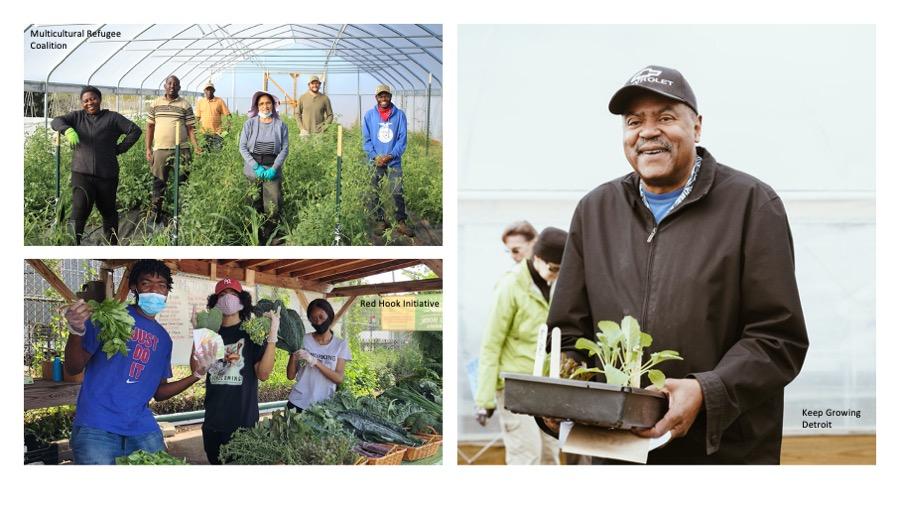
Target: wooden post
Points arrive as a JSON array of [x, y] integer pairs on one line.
[[304, 302], [41, 268], [342, 310], [250, 277], [213, 268], [122, 291], [107, 279]]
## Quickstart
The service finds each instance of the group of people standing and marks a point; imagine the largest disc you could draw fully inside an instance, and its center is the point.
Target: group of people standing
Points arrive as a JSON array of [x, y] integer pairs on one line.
[[94, 134], [113, 416]]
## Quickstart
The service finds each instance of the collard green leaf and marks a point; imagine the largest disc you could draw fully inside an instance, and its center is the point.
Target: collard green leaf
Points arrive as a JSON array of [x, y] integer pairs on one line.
[[657, 378]]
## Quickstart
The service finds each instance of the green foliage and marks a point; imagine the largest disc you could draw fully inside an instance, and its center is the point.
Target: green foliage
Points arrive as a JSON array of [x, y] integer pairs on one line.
[[217, 199], [210, 319], [144, 458], [115, 324], [287, 439], [257, 328], [50, 424], [360, 374], [620, 351]]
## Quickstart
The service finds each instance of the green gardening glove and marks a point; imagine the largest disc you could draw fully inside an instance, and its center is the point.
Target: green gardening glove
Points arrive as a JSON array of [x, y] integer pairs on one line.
[[269, 174], [72, 136]]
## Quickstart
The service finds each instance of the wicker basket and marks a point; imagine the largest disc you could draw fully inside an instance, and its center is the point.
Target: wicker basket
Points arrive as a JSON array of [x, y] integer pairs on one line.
[[393, 457], [431, 446]]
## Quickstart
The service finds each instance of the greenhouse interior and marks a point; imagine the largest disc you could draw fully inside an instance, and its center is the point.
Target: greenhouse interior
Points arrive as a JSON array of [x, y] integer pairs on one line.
[[325, 175]]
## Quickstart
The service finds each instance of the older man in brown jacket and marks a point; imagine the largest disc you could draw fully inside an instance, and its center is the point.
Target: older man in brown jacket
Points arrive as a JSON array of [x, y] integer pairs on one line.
[[702, 255]]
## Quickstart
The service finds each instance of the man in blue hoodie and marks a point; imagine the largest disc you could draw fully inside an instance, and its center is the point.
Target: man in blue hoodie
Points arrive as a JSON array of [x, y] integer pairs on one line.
[[384, 140]]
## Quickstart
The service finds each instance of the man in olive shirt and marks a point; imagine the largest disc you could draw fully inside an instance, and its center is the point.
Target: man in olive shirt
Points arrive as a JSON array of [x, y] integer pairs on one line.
[[165, 113], [314, 109], [210, 110]]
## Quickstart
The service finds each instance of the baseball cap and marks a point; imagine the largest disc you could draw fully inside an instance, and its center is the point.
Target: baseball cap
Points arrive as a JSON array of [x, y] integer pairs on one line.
[[313, 78], [653, 78], [382, 87], [209, 84], [226, 283]]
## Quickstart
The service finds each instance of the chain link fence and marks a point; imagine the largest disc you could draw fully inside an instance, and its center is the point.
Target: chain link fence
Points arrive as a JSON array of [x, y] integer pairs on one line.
[[45, 337]]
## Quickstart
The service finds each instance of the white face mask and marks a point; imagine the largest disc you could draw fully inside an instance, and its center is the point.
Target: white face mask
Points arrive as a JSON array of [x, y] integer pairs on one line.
[[265, 114], [229, 304]]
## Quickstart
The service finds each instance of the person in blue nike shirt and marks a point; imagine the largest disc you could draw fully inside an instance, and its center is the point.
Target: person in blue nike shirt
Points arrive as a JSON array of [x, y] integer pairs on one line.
[[384, 141], [112, 415]]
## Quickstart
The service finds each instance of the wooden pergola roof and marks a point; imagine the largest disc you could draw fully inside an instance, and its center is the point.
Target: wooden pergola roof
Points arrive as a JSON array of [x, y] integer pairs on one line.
[[319, 275]]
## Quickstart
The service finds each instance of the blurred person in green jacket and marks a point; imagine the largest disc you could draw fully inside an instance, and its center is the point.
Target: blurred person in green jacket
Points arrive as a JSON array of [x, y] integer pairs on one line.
[[521, 304]]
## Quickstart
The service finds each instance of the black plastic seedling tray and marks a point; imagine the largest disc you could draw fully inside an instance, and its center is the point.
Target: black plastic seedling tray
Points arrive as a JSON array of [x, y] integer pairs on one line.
[[584, 402]]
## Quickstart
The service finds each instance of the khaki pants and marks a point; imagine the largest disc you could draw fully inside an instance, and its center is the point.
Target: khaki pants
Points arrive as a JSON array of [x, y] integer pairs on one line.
[[525, 442]]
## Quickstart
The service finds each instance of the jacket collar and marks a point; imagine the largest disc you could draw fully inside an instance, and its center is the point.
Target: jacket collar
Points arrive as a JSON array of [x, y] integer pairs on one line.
[[523, 279], [702, 185]]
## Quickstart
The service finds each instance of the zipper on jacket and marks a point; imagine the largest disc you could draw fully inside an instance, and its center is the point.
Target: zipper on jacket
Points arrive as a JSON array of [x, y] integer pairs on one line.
[[652, 233], [643, 320]]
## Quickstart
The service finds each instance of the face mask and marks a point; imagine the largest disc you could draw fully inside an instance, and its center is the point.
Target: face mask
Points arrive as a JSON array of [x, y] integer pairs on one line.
[[151, 303], [229, 304], [322, 328], [265, 114]]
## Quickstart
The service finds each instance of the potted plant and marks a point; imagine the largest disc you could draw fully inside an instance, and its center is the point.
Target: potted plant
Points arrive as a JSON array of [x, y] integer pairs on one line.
[[618, 401]]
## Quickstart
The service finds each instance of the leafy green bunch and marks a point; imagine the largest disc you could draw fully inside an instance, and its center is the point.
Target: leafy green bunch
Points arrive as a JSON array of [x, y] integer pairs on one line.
[[144, 458], [287, 439], [258, 328], [620, 351], [115, 324]]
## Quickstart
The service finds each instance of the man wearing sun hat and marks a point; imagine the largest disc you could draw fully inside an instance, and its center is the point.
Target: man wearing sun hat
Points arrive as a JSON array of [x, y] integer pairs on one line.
[[314, 112], [702, 255], [209, 111]]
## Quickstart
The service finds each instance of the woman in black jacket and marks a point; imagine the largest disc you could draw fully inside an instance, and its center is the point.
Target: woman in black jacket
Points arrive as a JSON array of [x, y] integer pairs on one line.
[[94, 135]]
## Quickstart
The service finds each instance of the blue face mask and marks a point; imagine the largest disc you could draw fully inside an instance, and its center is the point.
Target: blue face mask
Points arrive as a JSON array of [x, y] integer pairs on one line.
[[265, 114], [151, 303]]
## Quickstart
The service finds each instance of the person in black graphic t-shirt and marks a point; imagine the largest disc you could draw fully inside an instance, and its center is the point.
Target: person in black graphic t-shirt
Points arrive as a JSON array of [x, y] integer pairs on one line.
[[232, 399]]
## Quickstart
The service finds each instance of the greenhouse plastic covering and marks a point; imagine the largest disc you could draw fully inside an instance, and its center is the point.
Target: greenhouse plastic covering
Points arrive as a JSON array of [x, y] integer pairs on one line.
[[132, 58]]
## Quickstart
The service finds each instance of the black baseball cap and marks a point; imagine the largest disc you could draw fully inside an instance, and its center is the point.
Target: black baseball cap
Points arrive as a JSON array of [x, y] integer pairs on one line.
[[653, 78]]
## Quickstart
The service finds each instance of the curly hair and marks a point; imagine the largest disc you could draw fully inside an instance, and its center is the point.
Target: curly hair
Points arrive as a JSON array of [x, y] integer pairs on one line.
[[149, 267]]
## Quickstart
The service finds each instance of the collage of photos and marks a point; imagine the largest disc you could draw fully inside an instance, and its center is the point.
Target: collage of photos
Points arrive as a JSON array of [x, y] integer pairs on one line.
[[659, 252], [233, 135]]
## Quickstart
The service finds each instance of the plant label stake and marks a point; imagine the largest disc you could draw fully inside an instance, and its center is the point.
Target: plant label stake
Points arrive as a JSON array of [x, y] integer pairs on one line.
[[177, 177], [337, 189], [555, 340], [539, 352]]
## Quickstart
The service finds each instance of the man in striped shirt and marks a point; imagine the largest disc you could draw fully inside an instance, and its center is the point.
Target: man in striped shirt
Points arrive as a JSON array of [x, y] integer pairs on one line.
[[166, 114]]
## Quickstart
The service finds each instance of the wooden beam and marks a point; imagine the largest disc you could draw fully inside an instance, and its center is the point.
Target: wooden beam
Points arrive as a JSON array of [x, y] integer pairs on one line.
[[345, 266], [342, 310], [45, 393], [383, 266], [304, 302], [106, 276], [50, 277], [250, 276], [419, 285], [436, 266], [202, 268], [122, 291], [213, 268]]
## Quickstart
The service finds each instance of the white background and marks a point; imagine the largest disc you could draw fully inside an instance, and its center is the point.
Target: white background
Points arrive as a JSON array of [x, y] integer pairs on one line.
[[449, 484]]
